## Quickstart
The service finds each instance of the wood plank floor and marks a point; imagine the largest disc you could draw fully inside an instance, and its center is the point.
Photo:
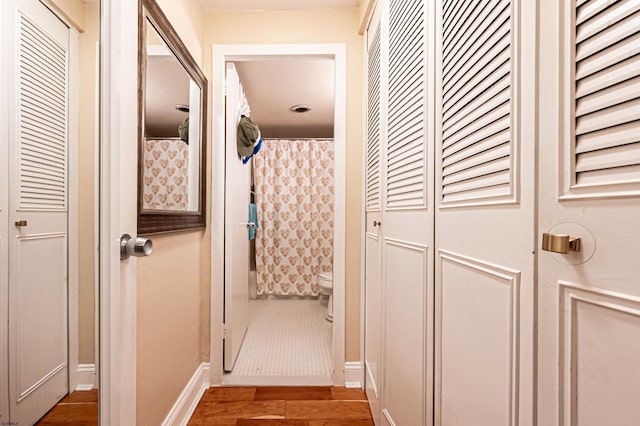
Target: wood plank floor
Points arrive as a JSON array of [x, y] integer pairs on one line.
[[282, 406], [77, 408]]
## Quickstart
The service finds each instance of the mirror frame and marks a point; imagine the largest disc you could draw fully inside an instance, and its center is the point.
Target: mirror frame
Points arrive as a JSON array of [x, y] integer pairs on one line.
[[162, 221]]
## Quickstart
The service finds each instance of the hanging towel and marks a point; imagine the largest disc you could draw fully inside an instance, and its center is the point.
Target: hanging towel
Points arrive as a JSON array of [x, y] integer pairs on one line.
[[253, 217]]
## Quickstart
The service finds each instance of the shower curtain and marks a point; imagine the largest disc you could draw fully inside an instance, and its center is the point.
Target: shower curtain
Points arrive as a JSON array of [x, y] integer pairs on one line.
[[294, 186]]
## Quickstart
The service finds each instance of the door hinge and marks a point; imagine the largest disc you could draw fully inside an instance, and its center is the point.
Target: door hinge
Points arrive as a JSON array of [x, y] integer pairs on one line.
[[225, 331]]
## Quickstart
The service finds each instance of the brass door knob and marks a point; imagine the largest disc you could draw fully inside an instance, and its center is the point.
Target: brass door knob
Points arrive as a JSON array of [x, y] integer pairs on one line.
[[377, 223], [560, 243], [20, 223]]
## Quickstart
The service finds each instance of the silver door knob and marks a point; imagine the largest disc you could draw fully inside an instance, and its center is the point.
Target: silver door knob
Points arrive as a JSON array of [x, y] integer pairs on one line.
[[137, 247], [251, 225]]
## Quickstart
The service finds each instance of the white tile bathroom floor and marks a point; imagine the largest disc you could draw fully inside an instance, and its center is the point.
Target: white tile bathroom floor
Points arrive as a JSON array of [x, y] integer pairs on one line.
[[288, 342]]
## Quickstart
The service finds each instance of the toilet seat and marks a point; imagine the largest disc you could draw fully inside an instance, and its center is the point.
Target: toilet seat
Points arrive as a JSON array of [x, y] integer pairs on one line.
[[325, 282], [326, 276]]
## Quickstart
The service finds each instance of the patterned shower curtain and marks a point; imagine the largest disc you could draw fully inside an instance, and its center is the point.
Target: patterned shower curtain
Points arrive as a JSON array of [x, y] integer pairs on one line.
[[294, 196]]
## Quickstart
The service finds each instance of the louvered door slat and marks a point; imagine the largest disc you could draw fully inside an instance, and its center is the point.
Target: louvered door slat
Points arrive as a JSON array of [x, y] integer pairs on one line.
[[607, 93], [475, 98], [42, 121], [485, 185], [619, 175], [373, 202], [601, 22], [620, 156], [496, 140], [479, 81], [613, 34], [480, 60], [453, 21], [411, 131], [610, 137], [405, 168], [469, 172], [468, 120], [484, 157], [501, 111], [487, 24], [610, 117], [477, 104], [405, 153], [616, 74], [620, 93]]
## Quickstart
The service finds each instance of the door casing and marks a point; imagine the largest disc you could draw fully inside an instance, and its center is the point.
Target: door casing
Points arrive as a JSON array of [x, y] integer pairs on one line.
[[221, 54]]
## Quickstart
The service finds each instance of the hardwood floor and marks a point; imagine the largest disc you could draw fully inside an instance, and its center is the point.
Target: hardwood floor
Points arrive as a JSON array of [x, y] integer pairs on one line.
[[77, 408], [282, 406], [244, 406]]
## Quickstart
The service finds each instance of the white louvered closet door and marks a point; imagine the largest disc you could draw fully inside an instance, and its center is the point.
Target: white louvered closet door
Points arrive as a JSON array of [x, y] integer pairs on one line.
[[38, 206], [485, 144], [375, 135], [407, 203], [589, 301]]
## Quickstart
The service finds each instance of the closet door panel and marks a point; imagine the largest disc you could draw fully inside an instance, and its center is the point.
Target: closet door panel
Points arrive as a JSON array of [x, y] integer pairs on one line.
[[38, 210], [589, 188], [375, 133], [485, 130], [407, 228]]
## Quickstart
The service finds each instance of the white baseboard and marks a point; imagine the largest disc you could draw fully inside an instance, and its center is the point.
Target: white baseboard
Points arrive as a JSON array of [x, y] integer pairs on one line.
[[85, 377], [188, 400], [353, 374]]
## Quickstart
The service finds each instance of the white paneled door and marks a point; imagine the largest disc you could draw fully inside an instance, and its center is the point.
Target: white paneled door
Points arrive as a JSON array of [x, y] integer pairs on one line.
[[484, 284], [373, 215], [407, 223], [237, 198], [399, 201], [589, 188], [38, 209]]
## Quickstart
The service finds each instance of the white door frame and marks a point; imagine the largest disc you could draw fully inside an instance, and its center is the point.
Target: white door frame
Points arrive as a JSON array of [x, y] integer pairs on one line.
[[118, 191], [222, 54]]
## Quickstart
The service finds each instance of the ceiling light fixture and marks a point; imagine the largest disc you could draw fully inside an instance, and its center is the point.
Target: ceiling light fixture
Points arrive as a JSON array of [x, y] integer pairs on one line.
[[301, 108]]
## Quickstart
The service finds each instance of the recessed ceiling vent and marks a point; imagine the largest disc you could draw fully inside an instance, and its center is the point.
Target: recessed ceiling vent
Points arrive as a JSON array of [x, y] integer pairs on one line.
[[301, 108]]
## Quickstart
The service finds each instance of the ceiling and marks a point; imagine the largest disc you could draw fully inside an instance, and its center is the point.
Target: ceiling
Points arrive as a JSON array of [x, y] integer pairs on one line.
[[273, 87], [167, 85], [228, 5]]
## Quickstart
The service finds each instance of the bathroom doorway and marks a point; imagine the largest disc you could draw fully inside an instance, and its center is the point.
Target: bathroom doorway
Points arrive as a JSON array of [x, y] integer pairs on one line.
[[250, 300]]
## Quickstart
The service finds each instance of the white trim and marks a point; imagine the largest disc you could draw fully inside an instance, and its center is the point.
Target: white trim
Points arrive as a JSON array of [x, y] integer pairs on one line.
[[72, 203], [363, 191], [231, 380], [221, 54], [188, 400], [118, 127], [4, 217], [353, 375], [85, 375]]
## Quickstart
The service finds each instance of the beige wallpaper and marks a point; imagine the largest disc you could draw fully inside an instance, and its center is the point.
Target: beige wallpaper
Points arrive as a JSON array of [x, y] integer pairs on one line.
[[86, 19], [86, 176]]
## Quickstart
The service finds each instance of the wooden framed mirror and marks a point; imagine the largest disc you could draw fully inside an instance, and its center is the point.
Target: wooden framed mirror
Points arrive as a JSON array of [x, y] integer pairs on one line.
[[172, 104]]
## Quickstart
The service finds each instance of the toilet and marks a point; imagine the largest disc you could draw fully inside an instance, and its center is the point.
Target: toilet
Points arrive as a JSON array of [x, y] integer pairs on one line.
[[325, 282]]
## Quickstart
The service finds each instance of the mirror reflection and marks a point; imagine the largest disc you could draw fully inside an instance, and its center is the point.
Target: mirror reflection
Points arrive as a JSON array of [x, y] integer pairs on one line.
[[172, 106], [171, 130]]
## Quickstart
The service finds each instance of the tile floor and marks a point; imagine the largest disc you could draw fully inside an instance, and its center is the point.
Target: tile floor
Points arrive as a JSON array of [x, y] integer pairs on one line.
[[295, 406], [288, 342]]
